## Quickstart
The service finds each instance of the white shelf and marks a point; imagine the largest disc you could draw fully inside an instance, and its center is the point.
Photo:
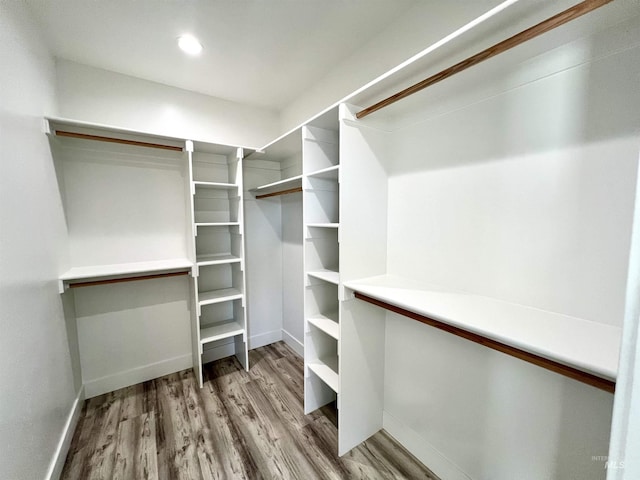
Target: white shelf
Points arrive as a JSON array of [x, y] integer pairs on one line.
[[218, 296], [326, 275], [122, 270], [219, 331], [328, 323], [215, 185], [287, 183], [330, 173], [217, 224], [216, 259], [323, 225], [327, 370], [582, 344]]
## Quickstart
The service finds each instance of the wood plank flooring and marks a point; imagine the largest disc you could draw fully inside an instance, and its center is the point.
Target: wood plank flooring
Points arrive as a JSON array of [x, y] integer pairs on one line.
[[241, 425]]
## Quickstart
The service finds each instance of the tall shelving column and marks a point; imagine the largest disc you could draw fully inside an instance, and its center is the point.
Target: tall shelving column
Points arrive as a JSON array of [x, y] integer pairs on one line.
[[321, 223], [218, 311]]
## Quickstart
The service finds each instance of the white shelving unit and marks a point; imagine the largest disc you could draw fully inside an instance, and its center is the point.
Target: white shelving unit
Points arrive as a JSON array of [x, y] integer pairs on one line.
[[219, 320], [321, 218]]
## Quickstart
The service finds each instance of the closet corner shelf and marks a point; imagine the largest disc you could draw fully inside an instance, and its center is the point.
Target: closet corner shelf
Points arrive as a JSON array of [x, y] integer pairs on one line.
[[326, 275], [219, 331], [214, 185], [323, 225], [218, 296], [328, 323], [581, 349], [330, 173], [217, 224], [288, 185], [327, 370], [216, 259], [97, 274]]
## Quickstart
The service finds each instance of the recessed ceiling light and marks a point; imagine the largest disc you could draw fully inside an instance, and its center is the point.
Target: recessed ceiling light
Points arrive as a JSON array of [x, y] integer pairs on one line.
[[189, 44]]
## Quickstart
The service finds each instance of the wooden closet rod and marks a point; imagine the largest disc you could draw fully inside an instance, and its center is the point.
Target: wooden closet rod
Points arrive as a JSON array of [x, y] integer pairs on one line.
[[283, 192], [126, 279], [551, 365], [99, 138], [549, 24]]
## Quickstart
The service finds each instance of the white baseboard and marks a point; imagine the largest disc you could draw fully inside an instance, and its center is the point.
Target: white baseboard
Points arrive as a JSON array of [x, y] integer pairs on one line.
[[293, 342], [422, 450], [256, 341], [219, 351], [109, 383], [60, 455]]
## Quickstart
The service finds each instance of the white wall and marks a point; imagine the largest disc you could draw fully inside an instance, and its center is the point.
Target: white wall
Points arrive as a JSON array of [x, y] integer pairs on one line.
[[100, 96], [263, 254], [292, 271], [36, 375]]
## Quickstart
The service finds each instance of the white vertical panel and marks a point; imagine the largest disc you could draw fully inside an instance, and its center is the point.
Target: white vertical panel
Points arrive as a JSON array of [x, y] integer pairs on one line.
[[363, 253]]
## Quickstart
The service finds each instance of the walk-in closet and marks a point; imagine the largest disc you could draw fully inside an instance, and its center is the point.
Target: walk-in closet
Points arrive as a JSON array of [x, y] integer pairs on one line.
[[427, 270]]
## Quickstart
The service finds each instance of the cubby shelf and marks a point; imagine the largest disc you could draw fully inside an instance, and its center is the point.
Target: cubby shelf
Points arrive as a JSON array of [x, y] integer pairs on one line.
[[216, 259], [215, 185], [217, 296], [330, 276], [327, 370], [328, 323], [220, 331]]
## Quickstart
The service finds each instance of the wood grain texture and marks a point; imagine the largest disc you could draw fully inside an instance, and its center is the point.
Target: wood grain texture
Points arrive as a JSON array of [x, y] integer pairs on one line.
[[549, 24], [100, 138], [240, 425], [92, 283], [559, 368], [282, 192]]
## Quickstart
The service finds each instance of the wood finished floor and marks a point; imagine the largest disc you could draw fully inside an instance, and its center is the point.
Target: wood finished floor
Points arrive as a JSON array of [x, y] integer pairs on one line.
[[240, 425]]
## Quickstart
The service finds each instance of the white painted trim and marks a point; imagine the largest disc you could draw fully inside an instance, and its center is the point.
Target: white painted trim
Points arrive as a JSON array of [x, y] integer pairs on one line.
[[60, 455], [263, 339], [293, 342], [109, 383], [219, 352], [422, 450]]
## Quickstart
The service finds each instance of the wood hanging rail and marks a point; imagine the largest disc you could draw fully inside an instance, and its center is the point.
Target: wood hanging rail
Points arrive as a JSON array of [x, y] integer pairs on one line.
[[100, 138], [549, 24], [545, 363], [125, 279], [282, 192]]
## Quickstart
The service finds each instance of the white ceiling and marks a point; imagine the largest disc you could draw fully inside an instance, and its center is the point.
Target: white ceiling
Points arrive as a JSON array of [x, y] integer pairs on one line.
[[257, 52]]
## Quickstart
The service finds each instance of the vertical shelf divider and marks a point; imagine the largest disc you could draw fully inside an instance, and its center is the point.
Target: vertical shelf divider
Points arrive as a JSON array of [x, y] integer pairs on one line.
[[321, 223]]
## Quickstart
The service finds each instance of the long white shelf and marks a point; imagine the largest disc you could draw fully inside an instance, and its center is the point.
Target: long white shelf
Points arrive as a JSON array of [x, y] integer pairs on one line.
[[285, 184], [582, 344], [326, 275], [124, 270], [327, 370], [216, 259], [328, 323], [218, 296], [219, 331]]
